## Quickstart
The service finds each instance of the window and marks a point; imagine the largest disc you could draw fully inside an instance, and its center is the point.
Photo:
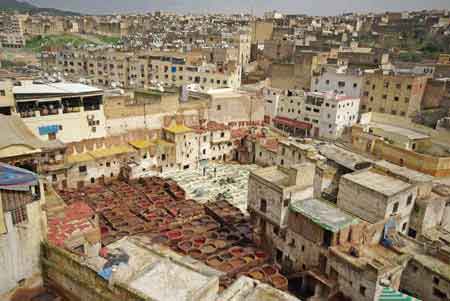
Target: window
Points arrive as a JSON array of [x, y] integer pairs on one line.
[[327, 82], [263, 205], [405, 224], [396, 98], [406, 99], [412, 233], [341, 84], [222, 135], [409, 87], [398, 86], [2, 93], [395, 208], [54, 178], [409, 200], [92, 180], [19, 215], [219, 107], [82, 169], [355, 85], [436, 280], [108, 164], [362, 290], [386, 84], [384, 96], [366, 93], [276, 230]]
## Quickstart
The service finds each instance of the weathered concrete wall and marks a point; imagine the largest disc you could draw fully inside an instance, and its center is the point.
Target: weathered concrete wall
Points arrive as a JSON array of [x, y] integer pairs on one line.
[[20, 248], [372, 206], [421, 282], [352, 282], [260, 190]]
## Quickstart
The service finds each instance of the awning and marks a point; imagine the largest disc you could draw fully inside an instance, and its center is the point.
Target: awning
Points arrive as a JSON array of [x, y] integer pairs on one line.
[[292, 123], [14, 178], [389, 294]]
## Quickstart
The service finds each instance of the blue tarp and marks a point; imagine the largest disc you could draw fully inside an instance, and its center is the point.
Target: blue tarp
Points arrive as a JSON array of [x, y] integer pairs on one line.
[[14, 178], [48, 129], [174, 69], [106, 273]]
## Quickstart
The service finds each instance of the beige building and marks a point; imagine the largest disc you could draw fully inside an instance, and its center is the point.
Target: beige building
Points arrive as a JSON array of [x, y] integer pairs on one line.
[[375, 196], [395, 94], [133, 70], [271, 190], [402, 142]]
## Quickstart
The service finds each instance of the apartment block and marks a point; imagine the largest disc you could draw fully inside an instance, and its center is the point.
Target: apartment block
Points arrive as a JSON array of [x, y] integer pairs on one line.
[[395, 94]]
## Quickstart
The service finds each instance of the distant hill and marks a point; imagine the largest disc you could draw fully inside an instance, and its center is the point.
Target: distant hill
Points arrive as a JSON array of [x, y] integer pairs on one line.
[[25, 7]]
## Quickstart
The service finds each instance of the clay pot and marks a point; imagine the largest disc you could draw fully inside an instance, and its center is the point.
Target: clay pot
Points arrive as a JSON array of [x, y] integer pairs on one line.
[[279, 281], [195, 253], [257, 274], [269, 270]]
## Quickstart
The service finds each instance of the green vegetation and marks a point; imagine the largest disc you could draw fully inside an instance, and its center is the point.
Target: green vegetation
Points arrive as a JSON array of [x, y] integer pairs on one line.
[[40, 43], [410, 56], [10, 63], [25, 7], [108, 40]]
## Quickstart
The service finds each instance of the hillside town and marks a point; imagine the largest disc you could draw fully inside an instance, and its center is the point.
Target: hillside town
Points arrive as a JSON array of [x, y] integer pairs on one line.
[[224, 157]]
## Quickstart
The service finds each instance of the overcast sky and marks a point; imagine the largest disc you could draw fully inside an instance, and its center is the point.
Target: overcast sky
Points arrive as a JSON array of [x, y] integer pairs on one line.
[[311, 7]]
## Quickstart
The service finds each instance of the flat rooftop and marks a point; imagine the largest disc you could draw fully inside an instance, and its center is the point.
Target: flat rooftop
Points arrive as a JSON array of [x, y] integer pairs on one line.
[[324, 214], [248, 289], [157, 274], [375, 181], [274, 175], [410, 134], [431, 262], [374, 256], [55, 88], [343, 157], [412, 175]]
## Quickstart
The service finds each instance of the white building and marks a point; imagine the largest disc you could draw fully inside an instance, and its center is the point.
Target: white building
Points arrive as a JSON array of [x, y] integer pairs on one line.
[[340, 80], [271, 98], [66, 111], [316, 114]]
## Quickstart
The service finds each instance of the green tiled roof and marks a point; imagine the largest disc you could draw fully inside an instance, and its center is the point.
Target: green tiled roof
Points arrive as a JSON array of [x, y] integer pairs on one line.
[[324, 214], [390, 294]]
